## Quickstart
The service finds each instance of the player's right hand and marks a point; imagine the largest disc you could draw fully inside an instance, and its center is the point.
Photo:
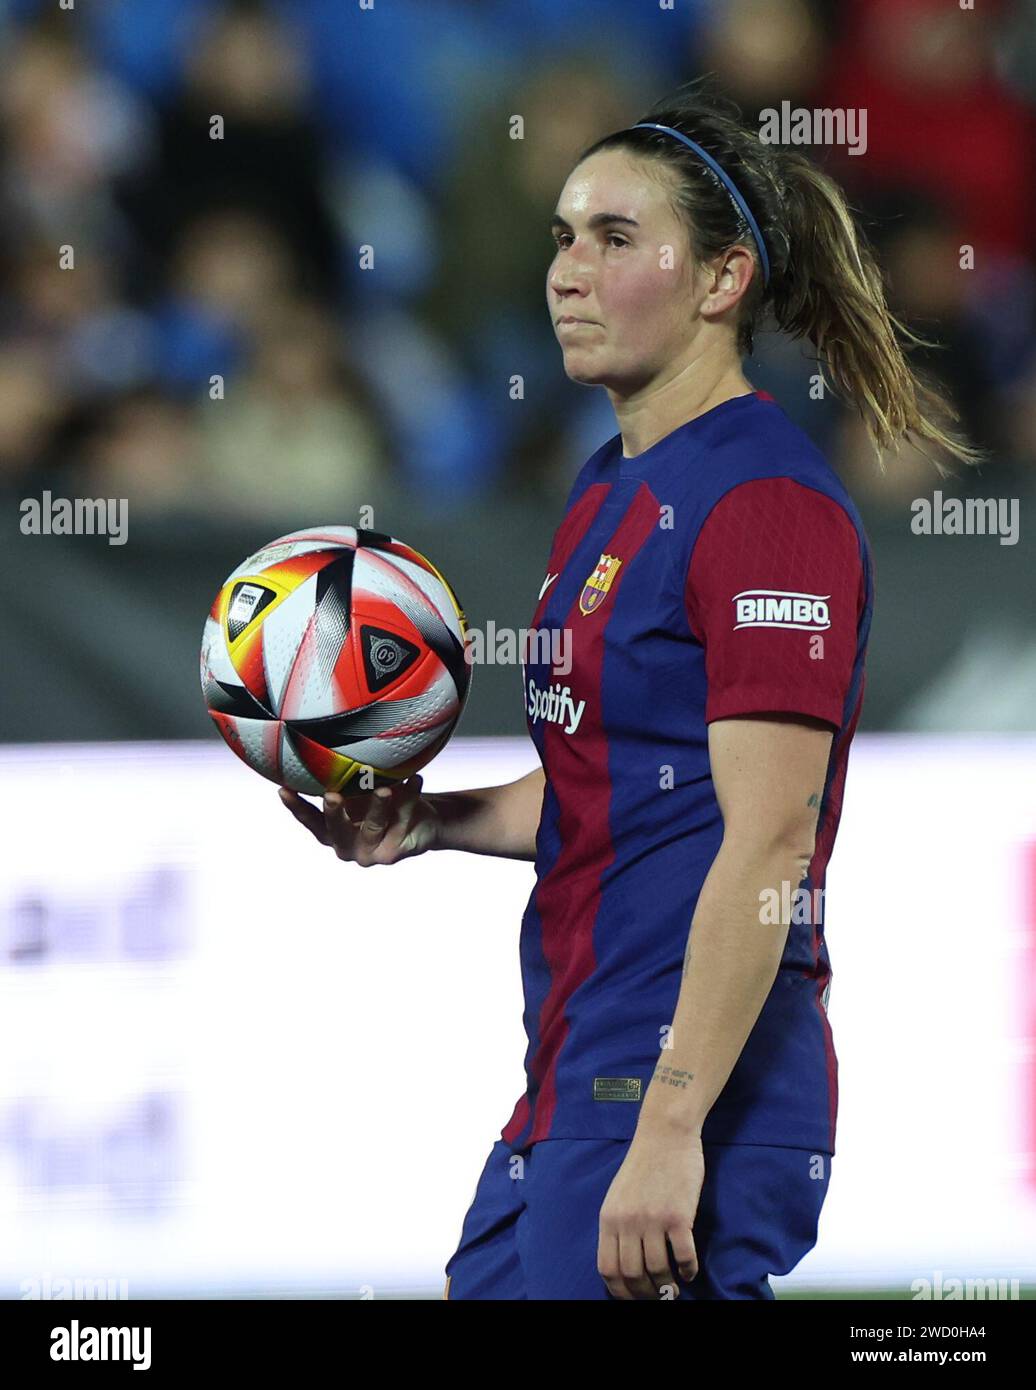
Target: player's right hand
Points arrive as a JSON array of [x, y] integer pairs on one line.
[[379, 827]]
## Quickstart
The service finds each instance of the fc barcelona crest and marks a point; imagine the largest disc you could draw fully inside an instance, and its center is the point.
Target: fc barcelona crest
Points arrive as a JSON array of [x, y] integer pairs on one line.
[[598, 584]]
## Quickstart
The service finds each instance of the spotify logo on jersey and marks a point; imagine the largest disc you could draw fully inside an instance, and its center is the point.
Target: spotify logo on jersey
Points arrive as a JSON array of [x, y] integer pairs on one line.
[[555, 706]]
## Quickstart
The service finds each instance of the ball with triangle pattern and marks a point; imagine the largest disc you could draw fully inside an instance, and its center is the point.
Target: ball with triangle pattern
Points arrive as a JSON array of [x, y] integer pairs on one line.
[[333, 659]]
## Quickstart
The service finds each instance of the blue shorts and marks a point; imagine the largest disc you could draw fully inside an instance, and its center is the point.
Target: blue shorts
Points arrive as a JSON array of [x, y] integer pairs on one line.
[[531, 1231]]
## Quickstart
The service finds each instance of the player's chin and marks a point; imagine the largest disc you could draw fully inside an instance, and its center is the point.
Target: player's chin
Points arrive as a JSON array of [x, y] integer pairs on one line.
[[582, 367]]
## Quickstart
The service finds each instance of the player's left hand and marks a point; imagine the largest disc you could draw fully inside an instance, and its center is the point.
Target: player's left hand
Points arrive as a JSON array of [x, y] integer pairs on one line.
[[653, 1199]]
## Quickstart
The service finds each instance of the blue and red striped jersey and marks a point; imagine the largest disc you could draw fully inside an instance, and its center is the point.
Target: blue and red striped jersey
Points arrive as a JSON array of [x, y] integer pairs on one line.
[[724, 571]]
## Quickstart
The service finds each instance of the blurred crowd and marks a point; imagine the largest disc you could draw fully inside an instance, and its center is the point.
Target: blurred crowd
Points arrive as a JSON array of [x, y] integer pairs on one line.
[[263, 256]]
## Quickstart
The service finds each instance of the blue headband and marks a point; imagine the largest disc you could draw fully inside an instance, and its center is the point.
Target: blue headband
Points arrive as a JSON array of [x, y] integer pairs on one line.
[[727, 182]]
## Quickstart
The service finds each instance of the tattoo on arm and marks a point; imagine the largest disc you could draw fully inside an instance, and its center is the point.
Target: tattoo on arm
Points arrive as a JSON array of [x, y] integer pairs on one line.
[[672, 1076], [814, 800]]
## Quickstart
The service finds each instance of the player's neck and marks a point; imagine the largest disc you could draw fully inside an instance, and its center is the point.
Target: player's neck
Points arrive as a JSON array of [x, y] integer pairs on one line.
[[645, 419]]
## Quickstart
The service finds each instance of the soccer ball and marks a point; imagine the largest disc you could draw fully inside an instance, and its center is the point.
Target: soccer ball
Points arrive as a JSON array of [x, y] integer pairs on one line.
[[334, 660]]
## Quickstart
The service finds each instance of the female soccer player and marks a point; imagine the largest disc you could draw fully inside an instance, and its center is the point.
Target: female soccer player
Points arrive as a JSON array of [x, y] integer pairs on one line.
[[676, 1134]]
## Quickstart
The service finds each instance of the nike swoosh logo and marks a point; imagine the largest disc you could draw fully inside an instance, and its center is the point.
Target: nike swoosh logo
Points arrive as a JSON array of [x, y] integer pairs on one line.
[[547, 583]]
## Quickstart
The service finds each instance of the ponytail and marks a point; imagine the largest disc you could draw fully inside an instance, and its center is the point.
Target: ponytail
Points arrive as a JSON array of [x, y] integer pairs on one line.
[[832, 293]]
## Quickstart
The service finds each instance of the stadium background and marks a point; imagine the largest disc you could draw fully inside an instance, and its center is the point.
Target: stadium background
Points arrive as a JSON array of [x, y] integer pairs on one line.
[[148, 884]]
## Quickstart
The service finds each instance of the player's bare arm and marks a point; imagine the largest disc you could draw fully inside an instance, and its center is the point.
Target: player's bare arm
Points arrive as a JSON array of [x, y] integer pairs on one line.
[[766, 771], [399, 822]]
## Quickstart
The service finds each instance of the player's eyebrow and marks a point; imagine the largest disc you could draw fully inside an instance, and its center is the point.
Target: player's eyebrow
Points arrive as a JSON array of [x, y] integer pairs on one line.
[[599, 219]]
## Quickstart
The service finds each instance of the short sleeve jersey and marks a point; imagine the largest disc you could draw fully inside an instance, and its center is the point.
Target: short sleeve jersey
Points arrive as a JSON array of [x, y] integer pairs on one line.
[[722, 572]]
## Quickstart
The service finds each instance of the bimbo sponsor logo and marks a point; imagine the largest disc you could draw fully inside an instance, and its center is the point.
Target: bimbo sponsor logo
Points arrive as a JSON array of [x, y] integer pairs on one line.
[[781, 608]]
